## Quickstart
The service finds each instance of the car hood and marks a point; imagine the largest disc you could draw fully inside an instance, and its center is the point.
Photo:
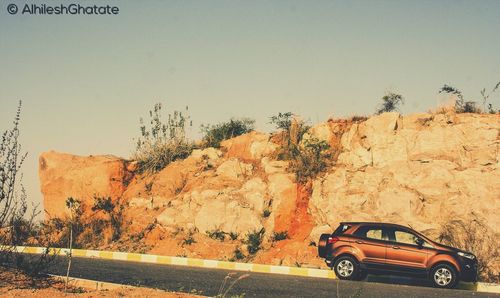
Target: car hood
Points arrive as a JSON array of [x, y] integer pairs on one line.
[[449, 248]]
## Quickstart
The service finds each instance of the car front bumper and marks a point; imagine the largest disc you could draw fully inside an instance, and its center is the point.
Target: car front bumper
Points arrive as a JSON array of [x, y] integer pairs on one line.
[[469, 270]]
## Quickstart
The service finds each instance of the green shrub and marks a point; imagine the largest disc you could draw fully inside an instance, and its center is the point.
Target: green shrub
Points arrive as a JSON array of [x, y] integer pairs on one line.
[[266, 213], [254, 240], [238, 254], [115, 213], [278, 236], [307, 157], [213, 135], [312, 160], [390, 103], [463, 106], [162, 142], [233, 235], [188, 240], [291, 132], [217, 235]]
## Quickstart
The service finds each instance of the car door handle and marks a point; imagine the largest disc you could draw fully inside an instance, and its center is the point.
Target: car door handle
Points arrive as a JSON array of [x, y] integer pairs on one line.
[[395, 247], [359, 242]]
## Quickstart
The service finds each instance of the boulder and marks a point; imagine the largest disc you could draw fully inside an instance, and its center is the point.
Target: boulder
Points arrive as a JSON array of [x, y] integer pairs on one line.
[[248, 147], [81, 177], [234, 169]]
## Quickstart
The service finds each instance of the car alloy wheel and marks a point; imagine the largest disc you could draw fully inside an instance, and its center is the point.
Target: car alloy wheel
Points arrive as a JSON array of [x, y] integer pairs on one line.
[[345, 268], [443, 277]]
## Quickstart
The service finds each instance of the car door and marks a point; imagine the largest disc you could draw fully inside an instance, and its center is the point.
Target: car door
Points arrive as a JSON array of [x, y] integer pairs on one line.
[[372, 244], [403, 251]]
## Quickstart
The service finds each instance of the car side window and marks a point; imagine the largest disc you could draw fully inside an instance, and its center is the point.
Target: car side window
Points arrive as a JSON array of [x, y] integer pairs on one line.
[[371, 232], [405, 237]]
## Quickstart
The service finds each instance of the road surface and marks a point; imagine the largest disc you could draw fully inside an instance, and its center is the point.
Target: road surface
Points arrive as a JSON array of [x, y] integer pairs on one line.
[[208, 281]]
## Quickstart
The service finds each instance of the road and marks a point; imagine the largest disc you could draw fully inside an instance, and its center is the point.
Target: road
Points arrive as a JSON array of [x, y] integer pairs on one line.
[[208, 281]]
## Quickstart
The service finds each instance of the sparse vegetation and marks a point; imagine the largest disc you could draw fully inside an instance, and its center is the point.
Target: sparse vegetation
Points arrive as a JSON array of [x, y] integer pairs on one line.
[[254, 240], [470, 106], [266, 213], [188, 240], [213, 135], [474, 236], [390, 103], [226, 287], [278, 236], [312, 159], [148, 187], [114, 211], [357, 118], [217, 235], [15, 227], [238, 254], [233, 235], [162, 142], [307, 157], [13, 205]]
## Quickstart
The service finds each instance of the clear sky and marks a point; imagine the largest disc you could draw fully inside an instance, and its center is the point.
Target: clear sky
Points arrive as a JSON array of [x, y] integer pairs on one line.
[[86, 80]]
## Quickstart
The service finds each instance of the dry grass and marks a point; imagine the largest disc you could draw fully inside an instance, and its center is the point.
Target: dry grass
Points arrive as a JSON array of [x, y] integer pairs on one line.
[[474, 236]]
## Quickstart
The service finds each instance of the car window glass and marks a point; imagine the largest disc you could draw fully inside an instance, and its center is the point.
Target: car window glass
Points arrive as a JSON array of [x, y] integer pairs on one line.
[[374, 234], [341, 229], [405, 237], [369, 232]]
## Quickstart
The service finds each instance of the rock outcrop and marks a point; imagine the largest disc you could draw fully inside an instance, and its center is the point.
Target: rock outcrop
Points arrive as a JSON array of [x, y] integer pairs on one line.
[[65, 175], [420, 169]]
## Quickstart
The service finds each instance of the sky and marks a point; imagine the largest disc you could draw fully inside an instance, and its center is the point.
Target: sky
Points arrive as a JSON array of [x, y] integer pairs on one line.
[[86, 80]]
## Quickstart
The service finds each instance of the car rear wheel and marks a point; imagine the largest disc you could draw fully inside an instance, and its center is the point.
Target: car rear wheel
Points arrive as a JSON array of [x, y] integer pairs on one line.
[[444, 276], [346, 267]]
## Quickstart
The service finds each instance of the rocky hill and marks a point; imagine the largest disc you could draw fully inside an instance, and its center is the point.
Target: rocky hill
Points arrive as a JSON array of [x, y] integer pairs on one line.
[[422, 170]]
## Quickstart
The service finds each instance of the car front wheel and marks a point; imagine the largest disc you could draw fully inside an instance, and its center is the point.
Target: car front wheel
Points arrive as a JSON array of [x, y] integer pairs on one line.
[[444, 276], [346, 267]]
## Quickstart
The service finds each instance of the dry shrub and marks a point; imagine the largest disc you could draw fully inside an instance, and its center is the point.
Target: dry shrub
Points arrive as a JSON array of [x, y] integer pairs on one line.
[[162, 141], [474, 236], [308, 157]]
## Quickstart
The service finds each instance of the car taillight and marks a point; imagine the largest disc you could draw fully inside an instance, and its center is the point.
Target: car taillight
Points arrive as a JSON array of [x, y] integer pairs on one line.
[[332, 240]]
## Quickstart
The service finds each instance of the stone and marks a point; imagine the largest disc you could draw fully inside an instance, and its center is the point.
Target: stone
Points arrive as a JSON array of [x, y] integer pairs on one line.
[[81, 177]]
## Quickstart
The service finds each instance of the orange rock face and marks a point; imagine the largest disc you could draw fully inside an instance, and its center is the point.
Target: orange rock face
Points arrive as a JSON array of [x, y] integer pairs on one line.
[[421, 170], [64, 175]]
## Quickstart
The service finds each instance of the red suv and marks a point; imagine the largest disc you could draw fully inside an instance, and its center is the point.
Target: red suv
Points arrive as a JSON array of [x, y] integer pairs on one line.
[[358, 248]]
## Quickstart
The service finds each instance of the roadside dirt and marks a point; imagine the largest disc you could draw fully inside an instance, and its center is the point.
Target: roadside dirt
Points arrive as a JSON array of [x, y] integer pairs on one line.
[[16, 284]]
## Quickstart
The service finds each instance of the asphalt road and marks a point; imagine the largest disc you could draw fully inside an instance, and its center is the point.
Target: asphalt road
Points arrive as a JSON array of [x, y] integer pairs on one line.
[[208, 281]]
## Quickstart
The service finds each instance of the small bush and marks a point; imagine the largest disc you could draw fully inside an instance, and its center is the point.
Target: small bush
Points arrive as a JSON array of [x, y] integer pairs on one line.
[[312, 160], [307, 157], [290, 131], [266, 213], [233, 235], [238, 254], [188, 240], [278, 236], [115, 213], [358, 119], [213, 135], [254, 240], [390, 103], [162, 142], [217, 235], [463, 106], [473, 236]]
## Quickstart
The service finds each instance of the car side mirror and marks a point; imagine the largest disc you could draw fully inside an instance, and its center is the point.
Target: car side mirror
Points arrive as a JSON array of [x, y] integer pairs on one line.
[[419, 242]]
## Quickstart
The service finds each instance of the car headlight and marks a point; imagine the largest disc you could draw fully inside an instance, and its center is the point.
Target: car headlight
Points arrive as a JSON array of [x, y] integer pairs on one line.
[[466, 255]]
